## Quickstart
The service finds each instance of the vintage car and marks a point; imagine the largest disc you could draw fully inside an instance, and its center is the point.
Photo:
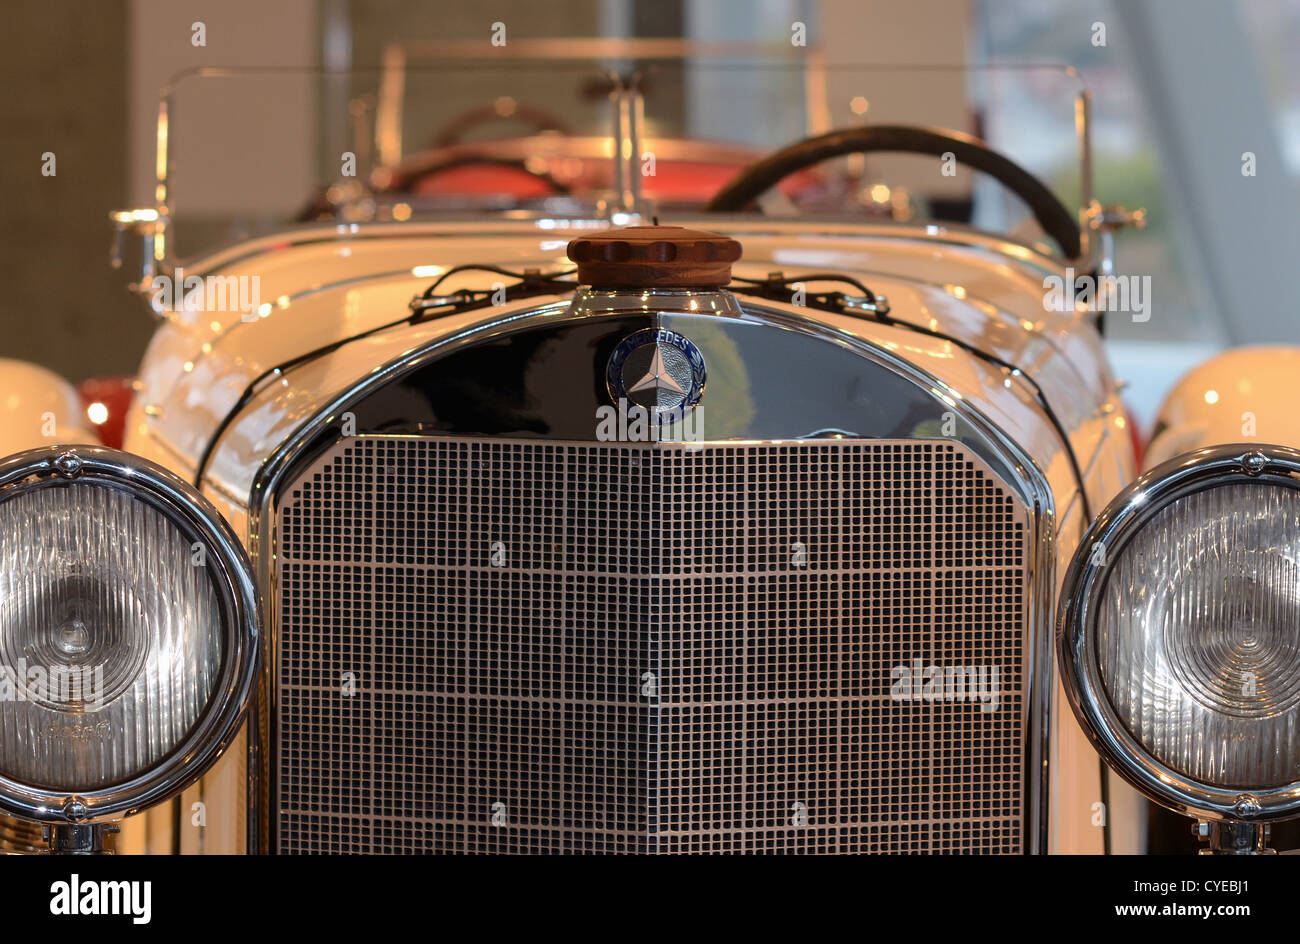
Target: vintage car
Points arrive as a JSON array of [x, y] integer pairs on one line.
[[535, 532]]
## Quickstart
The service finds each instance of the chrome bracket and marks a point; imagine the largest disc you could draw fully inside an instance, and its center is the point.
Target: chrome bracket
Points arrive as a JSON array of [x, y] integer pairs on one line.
[[1233, 837], [878, 304], [78, 838], [1106, 221], [146, 229]]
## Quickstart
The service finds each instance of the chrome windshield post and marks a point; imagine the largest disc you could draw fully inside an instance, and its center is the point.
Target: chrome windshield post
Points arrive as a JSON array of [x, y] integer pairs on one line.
[[145, 257], [148, 226], [628, 118], [1105, 221], [1083, 139]]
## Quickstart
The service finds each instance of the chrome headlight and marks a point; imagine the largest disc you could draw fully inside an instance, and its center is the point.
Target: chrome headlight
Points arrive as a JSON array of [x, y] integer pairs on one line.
[[1180, 633], [128, 634]]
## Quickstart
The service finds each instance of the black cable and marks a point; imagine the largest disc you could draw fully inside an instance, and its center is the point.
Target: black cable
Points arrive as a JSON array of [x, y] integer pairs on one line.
[[775, 286], [833, 301], [534, 282], [531, 282], [779, 280], [527, 278]]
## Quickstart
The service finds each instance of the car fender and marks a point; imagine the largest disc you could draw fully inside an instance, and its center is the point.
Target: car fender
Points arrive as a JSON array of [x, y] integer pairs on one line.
[[1246, 394], [37, 408]]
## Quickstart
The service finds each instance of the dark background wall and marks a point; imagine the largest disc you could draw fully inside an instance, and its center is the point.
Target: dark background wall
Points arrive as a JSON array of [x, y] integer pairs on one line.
[[81, 80], [64, 75]]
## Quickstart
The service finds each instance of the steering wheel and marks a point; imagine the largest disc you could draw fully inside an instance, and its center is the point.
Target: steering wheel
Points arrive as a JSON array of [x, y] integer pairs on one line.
[[538, 119], [1056, 221]]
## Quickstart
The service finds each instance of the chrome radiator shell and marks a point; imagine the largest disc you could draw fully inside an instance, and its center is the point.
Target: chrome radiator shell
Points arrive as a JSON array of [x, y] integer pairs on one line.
[[1008, 464]]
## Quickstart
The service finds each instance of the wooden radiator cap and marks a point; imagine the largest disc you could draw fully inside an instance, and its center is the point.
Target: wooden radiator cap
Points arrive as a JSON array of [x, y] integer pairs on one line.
[[654, 257]]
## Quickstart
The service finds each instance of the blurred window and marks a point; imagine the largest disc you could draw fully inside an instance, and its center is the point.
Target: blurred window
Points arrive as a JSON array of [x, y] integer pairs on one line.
[[1274, 30], [1126, 168]]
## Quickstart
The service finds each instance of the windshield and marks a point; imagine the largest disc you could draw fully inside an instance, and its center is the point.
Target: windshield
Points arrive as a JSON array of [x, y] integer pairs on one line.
[[433, 134]]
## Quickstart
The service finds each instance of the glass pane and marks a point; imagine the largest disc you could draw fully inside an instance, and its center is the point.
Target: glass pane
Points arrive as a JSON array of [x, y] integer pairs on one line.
[[253, 151]]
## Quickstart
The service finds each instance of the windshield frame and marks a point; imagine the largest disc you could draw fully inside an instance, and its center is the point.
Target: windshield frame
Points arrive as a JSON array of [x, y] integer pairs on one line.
[[627, 120]]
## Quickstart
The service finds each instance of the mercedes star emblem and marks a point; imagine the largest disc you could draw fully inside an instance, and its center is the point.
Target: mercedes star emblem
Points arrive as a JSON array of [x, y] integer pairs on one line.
[[659, 370]]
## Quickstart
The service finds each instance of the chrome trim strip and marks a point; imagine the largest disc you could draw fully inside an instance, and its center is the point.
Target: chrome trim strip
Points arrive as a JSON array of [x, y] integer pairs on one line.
[[1028, 480], [221, 718], [592, 301], [1126, 514]]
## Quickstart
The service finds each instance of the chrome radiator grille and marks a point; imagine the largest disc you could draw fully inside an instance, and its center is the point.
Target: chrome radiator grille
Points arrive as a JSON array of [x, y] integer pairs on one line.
[[489, 645], [18, 835]]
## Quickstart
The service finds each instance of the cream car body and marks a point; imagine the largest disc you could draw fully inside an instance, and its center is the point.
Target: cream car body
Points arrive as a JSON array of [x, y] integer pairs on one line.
[[325, 283], [333, 282]]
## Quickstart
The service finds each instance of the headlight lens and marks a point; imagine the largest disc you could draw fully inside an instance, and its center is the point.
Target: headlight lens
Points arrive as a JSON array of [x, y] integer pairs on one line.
[[1180, 633], [1199, 635], [128, 634], [110, 635]]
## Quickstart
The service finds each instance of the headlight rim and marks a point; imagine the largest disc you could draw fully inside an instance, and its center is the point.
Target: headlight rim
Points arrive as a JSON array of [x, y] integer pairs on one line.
[[1081, 590], [228, 564]]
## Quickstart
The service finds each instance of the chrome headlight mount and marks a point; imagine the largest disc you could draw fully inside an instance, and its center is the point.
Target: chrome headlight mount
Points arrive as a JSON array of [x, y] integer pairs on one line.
[[134, 585], [1184, 589]]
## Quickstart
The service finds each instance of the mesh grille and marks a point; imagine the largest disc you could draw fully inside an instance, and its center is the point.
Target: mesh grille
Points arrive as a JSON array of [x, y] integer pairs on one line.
[[18, 835], [490, 645]]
